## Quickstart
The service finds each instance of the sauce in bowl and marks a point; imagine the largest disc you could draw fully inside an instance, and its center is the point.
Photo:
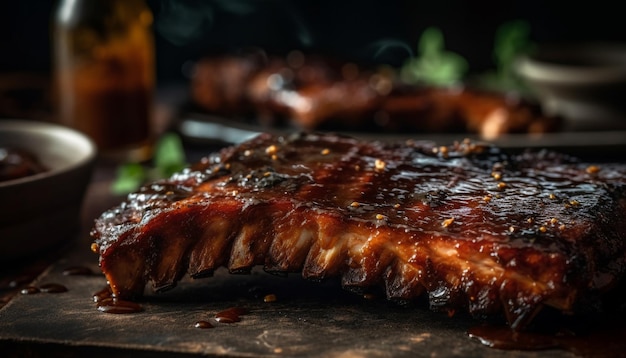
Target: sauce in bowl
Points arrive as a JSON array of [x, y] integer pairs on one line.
[[16, 163]]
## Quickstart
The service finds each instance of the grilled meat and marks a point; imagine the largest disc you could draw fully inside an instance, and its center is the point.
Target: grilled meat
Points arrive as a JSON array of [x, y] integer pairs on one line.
[[466, 225], [315, 93]]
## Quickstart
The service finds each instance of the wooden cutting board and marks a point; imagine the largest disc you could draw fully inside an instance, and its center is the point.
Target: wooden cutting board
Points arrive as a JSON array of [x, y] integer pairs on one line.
[[307, 319]]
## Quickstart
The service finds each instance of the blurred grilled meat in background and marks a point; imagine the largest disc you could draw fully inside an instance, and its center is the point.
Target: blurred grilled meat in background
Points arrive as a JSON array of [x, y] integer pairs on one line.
[[317, 94]]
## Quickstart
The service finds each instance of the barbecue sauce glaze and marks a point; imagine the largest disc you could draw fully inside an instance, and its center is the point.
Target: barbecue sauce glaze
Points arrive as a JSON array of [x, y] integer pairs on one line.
[[18, 163], [604, 337]]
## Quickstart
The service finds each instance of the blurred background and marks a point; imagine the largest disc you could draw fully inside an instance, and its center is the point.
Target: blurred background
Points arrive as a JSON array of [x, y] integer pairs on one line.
[[187, 29], [371, 31]]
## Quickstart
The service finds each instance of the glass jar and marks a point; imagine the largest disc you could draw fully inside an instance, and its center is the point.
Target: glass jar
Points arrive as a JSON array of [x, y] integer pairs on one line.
[[104, 66]]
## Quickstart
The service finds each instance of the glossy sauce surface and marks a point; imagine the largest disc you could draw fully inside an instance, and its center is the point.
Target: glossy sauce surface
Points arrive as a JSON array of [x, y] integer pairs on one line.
[[102, 294], [16, 163], [466, 190], [30, 290], [602, 338], [118, 306], [227, 316], [52, 288], [107, 303], [45, 288], [231, 315], [203, 324]]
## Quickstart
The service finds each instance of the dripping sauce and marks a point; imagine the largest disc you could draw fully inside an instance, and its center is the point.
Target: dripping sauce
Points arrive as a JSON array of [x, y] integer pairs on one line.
[[118, 306], [107, 303], [231, 315], [601, 338], [203, 324]]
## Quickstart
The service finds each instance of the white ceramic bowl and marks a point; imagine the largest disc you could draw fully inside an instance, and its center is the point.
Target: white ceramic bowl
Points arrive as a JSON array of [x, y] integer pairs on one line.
[[42, 211], [584, 82]]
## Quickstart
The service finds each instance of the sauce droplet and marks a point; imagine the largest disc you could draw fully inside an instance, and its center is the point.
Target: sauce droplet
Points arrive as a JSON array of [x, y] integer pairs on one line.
[[227, 318], [203, 324], [102, 294], [601, 338], [77, 271], [502, 337], [270, 298], [53, 288], [30, 290], [117, 306], [231, 315]]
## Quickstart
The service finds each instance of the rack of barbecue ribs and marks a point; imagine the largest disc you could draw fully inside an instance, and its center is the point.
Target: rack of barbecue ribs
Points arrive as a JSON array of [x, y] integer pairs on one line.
[[316, 93], [466, 225]]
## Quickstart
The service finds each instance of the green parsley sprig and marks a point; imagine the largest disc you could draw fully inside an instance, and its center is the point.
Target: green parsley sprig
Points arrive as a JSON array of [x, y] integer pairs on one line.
[[169, 158], [433, 65], [512, 39]]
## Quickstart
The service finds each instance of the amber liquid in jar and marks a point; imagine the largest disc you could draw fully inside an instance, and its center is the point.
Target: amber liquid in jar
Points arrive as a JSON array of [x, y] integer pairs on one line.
[[104, 65]]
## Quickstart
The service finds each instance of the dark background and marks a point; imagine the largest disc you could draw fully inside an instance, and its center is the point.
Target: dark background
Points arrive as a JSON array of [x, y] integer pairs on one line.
[[370, 30]]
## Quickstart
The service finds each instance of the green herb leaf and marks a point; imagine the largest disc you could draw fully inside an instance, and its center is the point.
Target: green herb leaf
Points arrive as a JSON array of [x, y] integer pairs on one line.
[[169, 155], [129, 177], [512, 39], [434, 65], [169, 158]]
